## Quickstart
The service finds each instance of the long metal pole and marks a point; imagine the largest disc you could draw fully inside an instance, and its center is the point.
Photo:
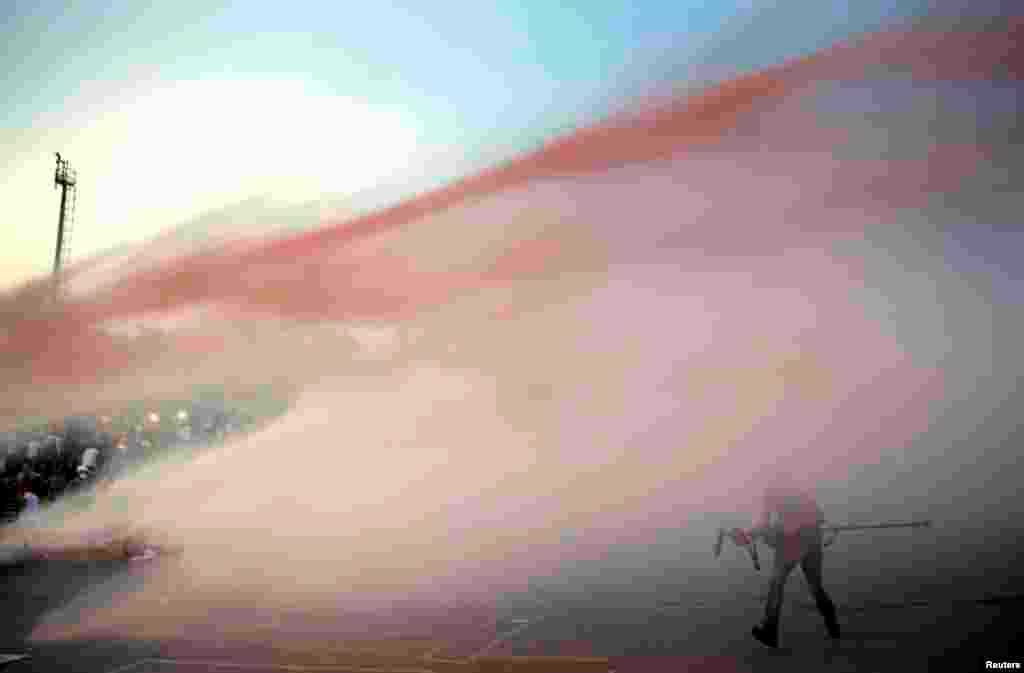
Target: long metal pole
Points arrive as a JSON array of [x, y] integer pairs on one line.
[[60, 229], [835, 529], [875, 526]]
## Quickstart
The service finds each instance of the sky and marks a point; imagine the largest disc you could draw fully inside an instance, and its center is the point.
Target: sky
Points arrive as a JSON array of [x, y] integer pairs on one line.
[[173, 112]]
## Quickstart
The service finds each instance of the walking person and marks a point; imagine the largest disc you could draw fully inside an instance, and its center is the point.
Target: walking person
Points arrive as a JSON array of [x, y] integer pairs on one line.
[[789, 522]]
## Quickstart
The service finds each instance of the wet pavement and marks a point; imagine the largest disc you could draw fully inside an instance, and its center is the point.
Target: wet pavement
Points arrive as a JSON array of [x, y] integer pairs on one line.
[[647, 629]]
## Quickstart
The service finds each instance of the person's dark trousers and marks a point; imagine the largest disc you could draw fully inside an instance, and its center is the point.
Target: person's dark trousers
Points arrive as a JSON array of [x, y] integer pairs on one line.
[[811, 564]]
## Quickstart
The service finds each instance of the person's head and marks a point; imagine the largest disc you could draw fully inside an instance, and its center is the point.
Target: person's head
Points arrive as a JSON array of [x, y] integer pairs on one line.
[[784, 479]]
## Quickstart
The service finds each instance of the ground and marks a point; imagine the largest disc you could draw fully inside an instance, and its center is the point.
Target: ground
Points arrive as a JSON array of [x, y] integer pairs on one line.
[[646, 630]]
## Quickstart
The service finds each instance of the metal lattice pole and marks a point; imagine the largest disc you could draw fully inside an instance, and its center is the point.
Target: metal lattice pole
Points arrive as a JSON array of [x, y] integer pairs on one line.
[[65, 178]]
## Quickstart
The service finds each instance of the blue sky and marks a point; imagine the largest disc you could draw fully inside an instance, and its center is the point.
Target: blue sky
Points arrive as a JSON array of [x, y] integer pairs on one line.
[[437, 55], [453, 61], [101, 82]]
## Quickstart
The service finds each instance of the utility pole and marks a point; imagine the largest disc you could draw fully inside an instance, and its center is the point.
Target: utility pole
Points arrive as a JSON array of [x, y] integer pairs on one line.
[[65, 178]]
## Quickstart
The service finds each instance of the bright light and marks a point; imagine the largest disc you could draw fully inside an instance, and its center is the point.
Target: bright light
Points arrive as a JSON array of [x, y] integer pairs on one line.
[[210, 143], [182, 415], [159, 153], [154, 417]]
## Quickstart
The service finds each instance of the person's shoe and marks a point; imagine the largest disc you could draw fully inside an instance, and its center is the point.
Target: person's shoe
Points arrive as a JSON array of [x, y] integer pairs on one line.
[[766, 634], [828, 611], [832, 624]]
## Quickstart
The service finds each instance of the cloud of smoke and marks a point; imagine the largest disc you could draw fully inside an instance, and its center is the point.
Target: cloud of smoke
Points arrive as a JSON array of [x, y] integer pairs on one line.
[[634, 324]]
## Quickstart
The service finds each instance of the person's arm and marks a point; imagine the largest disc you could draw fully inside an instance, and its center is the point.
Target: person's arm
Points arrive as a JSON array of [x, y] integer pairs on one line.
[[763, 519], [760, 525]]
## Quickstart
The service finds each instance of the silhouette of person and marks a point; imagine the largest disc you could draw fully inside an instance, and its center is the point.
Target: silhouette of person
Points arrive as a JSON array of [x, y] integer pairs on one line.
[[789, 521]]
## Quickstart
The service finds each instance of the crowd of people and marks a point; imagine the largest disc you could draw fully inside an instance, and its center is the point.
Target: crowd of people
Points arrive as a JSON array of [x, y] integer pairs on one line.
[[39, 467]]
